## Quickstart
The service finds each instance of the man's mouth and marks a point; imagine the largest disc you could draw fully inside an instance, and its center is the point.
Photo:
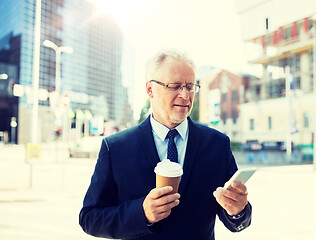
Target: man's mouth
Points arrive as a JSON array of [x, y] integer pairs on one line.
[[181, 105]]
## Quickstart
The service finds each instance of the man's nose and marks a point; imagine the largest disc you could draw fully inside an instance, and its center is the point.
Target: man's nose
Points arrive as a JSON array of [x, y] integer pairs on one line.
[[184, 93]]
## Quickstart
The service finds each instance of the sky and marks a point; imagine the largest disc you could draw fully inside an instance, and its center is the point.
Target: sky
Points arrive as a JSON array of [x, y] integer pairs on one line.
[[207, 30]]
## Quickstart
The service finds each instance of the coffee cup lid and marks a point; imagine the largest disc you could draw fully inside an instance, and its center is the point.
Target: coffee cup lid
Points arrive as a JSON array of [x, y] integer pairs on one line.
[[167, 168]]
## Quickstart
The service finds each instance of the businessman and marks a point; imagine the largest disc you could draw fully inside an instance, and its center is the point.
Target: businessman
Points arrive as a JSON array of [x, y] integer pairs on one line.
[[122, 201]]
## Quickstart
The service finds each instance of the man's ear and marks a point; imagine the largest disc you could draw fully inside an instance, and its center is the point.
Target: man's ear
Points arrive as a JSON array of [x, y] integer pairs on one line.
[[149, 89]]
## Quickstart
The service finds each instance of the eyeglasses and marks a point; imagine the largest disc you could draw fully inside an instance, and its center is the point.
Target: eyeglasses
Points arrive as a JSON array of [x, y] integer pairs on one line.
[[191, 87]]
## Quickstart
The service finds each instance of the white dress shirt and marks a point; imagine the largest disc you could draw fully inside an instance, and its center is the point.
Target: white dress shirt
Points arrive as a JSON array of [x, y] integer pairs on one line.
[[160, 132]]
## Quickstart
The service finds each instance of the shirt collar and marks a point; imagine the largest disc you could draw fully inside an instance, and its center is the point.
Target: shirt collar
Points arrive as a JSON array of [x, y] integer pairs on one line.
[[162, 130]]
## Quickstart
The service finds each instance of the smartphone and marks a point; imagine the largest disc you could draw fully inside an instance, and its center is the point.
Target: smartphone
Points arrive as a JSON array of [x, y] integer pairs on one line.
[[242, 175]]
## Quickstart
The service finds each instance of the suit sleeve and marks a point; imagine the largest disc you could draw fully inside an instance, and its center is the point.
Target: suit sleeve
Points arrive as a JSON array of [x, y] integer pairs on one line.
[[234, 225], [101, 215]]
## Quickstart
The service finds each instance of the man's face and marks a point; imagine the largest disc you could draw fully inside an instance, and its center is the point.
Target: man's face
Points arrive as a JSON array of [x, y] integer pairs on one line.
[[171, 108]]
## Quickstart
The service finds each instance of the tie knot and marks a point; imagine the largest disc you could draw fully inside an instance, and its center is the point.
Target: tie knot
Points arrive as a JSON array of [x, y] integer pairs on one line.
[[172, 133]]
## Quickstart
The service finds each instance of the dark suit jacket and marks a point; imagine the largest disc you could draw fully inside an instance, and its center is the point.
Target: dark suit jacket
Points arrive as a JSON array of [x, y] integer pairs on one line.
[[124, 175]]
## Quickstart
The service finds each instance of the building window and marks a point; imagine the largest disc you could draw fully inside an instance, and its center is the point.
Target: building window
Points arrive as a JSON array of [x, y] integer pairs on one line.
[[287, 33], [234, 96], [235, 116], [275, 88], [306, 122], [224, 117], [298, 83], [251, 124], [270, 123], [311, 64], [224, 97]]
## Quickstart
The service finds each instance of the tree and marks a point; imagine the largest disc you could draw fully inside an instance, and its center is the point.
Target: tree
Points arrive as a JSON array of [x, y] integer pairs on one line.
[[144, 112], [195, 115]]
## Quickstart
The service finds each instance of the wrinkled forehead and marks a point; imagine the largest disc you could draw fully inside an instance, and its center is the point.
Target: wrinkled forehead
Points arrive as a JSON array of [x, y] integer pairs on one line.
[[177, 61], [178, 70]]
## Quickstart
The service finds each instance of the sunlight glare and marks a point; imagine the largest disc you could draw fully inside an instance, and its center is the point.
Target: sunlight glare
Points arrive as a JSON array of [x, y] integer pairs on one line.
[[121, 10]]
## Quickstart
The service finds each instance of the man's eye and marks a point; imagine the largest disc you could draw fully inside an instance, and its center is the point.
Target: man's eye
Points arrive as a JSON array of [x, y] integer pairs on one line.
[[175, 86], [190, 87]]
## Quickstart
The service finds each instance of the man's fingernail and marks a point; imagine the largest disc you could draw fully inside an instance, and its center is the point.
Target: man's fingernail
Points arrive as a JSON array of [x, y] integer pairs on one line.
[[235, 184]]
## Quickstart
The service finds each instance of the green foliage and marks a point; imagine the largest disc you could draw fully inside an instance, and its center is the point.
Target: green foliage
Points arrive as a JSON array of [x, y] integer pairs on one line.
[[195, 115], [236, 145], [144, 112]]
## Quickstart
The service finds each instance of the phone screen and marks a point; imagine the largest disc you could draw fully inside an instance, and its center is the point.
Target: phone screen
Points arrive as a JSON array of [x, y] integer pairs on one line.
[[240, 176]]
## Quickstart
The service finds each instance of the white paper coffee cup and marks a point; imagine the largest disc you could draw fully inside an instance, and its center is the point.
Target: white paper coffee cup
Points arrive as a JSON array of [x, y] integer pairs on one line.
[[168, 174]]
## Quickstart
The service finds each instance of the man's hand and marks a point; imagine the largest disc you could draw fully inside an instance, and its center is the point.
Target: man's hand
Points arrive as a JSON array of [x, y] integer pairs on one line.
[[157, 205], [233, 199]]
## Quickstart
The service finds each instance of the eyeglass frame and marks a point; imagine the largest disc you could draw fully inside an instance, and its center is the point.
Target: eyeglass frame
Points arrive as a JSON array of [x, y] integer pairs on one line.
[[196, 87]]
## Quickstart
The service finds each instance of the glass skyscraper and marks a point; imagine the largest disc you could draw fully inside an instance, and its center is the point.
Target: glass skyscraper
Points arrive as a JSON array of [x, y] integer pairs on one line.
[[91, 76]]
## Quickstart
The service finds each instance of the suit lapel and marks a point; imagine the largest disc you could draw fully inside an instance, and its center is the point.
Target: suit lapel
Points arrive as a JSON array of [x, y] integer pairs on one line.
[[190, 156], [146, 138]]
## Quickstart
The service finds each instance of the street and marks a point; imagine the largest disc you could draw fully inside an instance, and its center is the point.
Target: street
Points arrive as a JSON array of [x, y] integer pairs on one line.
[[282, 198]]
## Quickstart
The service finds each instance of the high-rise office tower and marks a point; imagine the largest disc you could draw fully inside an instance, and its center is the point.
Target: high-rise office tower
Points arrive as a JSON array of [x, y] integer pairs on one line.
[[91, 78]]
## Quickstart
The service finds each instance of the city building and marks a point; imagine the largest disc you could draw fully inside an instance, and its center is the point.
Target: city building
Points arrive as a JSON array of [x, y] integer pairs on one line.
[[92, 52], [8, 102], [220, 95], [278, 35]]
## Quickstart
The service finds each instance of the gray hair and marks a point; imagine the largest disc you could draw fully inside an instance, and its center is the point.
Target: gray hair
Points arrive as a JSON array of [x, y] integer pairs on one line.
[[154, 63]]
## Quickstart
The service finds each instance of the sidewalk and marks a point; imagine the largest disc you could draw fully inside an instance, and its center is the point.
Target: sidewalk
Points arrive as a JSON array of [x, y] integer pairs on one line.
[[49, 209], [16, 171], [283, 200]]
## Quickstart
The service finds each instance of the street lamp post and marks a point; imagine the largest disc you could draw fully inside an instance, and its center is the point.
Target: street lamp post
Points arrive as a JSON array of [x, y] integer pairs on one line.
[[35, 73], [58, 50], [288, 80]]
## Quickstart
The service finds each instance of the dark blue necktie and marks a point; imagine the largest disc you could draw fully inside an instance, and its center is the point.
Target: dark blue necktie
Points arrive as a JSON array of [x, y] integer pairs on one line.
[[172, 153]]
